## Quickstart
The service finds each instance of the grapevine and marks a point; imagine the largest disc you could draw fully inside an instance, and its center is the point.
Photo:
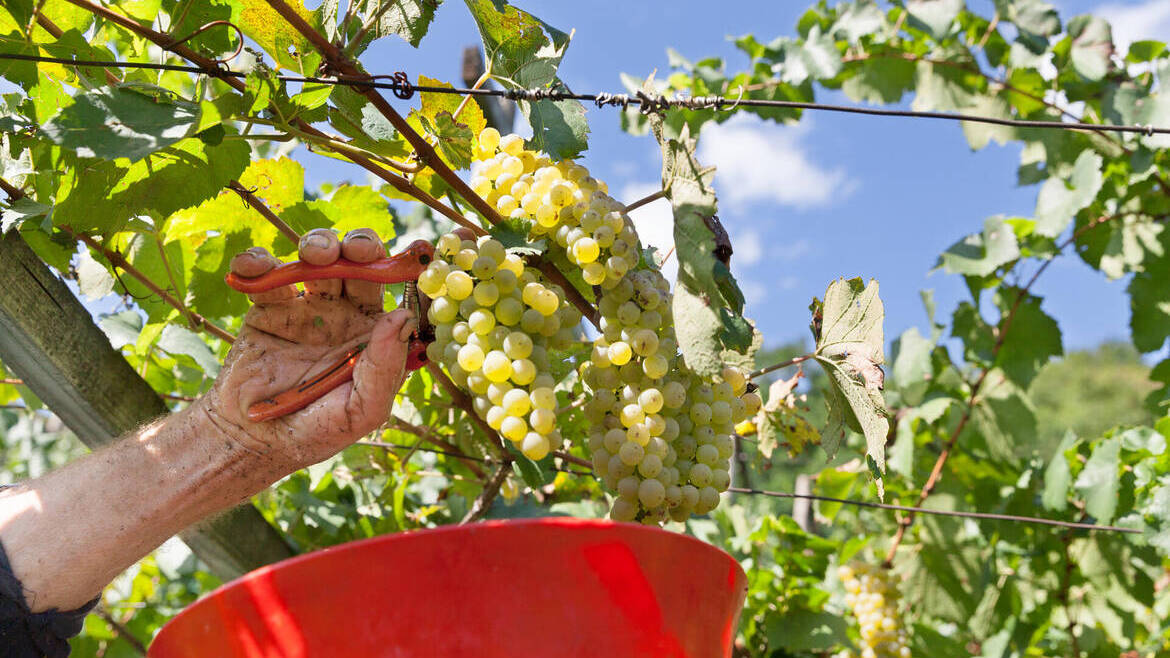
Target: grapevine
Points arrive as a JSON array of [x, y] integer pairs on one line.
[[660, 436]]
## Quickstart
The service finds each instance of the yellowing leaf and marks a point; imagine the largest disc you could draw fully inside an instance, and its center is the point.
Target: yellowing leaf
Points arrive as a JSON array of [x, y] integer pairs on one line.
[[289, 47]]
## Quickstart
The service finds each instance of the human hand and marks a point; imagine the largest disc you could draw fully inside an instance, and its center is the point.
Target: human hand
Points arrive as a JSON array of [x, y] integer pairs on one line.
[[289, 337]]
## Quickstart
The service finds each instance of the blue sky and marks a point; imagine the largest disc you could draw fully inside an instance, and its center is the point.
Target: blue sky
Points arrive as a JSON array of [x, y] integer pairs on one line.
[[837, 195]]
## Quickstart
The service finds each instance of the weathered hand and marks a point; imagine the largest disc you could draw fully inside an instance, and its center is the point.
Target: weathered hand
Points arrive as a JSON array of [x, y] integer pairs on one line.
[[289, 336]]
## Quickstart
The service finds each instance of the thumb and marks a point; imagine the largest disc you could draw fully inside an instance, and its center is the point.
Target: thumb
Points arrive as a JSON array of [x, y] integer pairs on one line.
[[380, 371]]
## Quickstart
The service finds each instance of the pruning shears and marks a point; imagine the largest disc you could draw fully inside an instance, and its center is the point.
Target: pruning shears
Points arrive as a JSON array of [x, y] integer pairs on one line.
[[403, 267]]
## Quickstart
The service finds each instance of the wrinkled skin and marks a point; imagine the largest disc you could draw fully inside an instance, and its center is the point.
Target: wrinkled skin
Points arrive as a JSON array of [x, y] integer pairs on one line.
[[288, 336]]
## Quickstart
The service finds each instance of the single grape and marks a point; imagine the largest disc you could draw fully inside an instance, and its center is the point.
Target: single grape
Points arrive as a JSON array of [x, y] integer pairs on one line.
[[543, 397], [534, 446], [516, 402], [514, 429], [497, 366], [651, 493], [470, 357]]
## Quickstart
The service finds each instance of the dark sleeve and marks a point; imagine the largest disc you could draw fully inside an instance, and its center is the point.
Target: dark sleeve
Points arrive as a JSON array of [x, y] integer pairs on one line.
[[24, 634]]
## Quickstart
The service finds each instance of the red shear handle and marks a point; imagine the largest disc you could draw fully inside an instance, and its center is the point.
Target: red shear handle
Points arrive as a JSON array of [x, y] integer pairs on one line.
[[312, 389], [403, 266]]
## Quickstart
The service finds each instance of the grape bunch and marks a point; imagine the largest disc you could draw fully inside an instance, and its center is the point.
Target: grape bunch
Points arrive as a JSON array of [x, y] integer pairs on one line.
[[494, 324], [660, 436], [873, 597]]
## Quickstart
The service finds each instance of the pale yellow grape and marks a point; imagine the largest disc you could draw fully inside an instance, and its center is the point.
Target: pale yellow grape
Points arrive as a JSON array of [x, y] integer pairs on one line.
[[651, 493], [513, 428], [632, 414], [586, 250], [543, 397], [434, 278], [631, 453], [708, 499], [735, 378], [483, 268], [651, 400], [449, 245], [619, 353], [638, 433], [497, 366], [543, 420], [593, 273], [518, 345], [465, 258], [509, 311], [459, 285], [706, 454], [523, 371], [547, 302], [534, 446], [700, 413], [496, 391], [656, 424], [516, 402], [623, 510], [470, 357], [656, 366], [511, 144], [481, 322], [495, 417], [700, 475], [489, 139], [485, 293]]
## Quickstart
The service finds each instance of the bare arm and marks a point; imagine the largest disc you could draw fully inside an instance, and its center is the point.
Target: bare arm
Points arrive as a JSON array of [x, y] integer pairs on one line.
[[70, 532]]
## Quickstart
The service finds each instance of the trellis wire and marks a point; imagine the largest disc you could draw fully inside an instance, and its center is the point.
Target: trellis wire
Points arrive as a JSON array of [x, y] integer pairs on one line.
[[647, 103], [827, 499], [936, 512]]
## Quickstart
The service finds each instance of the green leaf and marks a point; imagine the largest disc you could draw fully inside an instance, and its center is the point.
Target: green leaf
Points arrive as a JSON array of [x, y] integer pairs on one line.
[[859, 19], [802, 630], [311, 96], [176, 341], [121, 328], [453, 139], [291, 50], [1092, 46], [528, 470], [349, 207], [1030, 341], [119, 122], [1100, 479], [697, 327], [93, 279], [934, 16], [105, 196], [849, 348], [525, 53], [980, 135], [19, 212], [981, 254], [1003, 417], [1060, 200], [913, 369], [882, 80], [1058, 477], [942, 88], [1035, 17], [409, 19], [559, 128]]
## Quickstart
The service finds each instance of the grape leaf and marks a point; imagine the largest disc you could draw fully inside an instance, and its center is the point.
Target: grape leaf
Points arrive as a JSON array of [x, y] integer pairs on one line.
[[1149, 303], [409, 19], [879, 80], [525, 53], [934, 16], [1058, 477], [1060, 200], [349, 207], [93, 279], [179, 341], [121, 328], [1100, 479], [1092, 46], [913, 369], [1003, 417], [119, 122], [981, 254], [1030, 341], [291, 50], [849, 349]]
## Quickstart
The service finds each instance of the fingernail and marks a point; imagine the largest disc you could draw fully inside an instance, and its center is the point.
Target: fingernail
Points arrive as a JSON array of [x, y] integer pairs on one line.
[[315, 240], [359, 236]]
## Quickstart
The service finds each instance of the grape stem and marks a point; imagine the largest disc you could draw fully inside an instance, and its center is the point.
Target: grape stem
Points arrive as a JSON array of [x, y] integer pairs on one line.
[[428, 435], [491, 489], [650, 198], [777, 366], [254, 201]]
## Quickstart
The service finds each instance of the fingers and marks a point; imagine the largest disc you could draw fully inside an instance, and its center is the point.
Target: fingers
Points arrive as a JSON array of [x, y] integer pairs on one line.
[[321, 247], [380, 371], [256, 262], [363, 246]]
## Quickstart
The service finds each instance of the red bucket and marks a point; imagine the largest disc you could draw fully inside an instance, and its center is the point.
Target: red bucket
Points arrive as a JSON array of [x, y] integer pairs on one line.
[[554, 587]]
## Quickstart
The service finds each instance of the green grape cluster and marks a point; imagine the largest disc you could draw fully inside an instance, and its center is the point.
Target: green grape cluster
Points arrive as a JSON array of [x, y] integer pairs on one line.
[[495, 321], [873, 596], [661, 438]]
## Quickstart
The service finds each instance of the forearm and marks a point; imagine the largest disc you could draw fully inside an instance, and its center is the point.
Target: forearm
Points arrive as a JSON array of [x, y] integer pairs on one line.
[[70, 532]]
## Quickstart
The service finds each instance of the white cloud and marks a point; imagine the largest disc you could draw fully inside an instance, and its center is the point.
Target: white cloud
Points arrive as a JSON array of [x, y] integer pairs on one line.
[[754, 292], [748, 248], [1135, 22], [769, 163], [653, 221]]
